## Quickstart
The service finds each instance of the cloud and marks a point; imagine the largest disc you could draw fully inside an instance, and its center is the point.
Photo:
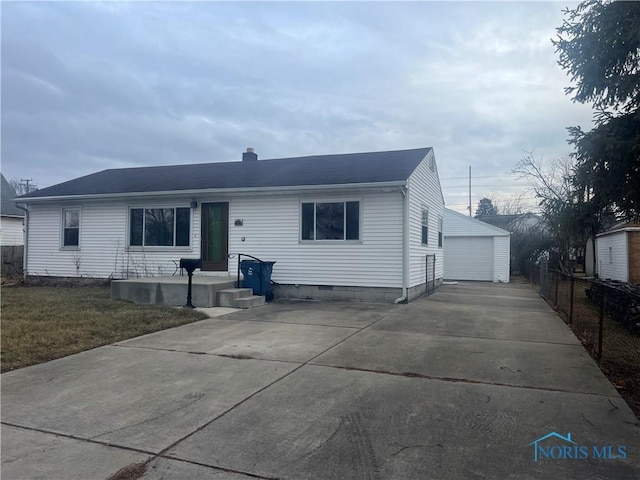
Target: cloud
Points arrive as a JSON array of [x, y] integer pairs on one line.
[[88, 86]]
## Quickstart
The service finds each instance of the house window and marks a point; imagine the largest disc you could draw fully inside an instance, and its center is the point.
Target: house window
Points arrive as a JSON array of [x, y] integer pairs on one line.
[[159, 227], [425, 225], [330, 221], [71, 227], [440, 231]]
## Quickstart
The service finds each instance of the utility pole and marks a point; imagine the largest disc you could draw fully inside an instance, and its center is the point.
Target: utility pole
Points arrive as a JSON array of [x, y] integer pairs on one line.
[[26, 181], [470, 190]]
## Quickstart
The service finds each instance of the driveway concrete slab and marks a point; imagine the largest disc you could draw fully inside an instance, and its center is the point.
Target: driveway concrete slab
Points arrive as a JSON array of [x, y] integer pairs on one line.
[[51, 457], [167, 469], [213, 312], [437, 317], [330, 313], [262, 340], [326, 423], [446, 400], [134, 397], [505, 362], [513, 289], [504, 298]]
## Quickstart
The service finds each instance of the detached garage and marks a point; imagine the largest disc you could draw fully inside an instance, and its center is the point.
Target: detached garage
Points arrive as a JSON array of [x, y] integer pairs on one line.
[[474, 250]]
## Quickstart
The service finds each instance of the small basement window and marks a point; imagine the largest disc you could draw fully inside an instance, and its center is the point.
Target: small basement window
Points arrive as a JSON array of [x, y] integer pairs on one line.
[[330, 221], [70, 227], [159, 227]]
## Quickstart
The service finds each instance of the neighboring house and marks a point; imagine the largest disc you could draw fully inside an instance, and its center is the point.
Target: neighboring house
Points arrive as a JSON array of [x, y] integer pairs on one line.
[[12, 220], [474, 250], [352, 225], [618, 253]]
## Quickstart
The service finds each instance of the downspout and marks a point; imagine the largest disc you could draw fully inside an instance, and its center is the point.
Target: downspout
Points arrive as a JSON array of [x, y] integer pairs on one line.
[[405, 244], [25, 236]]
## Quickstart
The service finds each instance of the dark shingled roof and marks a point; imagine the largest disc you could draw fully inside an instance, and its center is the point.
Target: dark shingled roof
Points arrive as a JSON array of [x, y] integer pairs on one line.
[[348, 168], [8, 193]]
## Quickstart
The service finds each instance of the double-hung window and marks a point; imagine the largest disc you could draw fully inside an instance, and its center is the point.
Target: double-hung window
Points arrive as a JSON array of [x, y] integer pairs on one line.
[[330, 221], [425, 225], [70, 227], [439, 231], [159, 227]]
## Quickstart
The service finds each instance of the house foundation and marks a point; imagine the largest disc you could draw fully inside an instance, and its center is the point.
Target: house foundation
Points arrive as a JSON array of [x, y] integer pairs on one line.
[[359, 294]]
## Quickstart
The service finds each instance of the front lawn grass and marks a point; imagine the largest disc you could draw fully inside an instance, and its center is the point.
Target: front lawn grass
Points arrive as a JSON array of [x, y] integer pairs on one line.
[[43, 323]]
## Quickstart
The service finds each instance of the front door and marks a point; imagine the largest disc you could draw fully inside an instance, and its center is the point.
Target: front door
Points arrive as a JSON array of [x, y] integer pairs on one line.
[[215, 237]]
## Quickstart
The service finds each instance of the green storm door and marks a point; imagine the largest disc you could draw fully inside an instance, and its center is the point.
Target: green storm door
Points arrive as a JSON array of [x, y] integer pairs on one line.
[[215, 236]]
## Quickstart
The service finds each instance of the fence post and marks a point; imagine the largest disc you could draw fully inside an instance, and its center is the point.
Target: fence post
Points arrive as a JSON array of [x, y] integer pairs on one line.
[[600, 330], [555, 300], [571, 300], [426, 275], [434, 273]]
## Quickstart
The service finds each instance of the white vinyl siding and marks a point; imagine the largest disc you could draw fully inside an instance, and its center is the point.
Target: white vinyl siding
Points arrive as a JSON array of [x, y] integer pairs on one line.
[[424, 190], [612, 256], [103, 240], [501, 259], [270, 229], [11, 231]]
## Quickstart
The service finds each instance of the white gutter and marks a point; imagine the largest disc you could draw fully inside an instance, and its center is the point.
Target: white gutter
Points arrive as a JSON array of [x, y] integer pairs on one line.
[[213, 191], [405, 244]]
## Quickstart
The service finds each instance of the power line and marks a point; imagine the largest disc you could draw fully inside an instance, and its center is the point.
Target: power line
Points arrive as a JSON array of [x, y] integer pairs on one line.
[[502, 197], [488, 185], [488, 176]]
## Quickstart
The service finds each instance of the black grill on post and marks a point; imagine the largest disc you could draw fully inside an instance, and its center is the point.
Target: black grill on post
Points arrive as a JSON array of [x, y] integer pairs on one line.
[[190, 264]]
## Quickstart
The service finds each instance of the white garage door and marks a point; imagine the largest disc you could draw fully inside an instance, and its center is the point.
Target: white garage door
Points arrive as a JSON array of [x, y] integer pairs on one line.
[[468, 258]]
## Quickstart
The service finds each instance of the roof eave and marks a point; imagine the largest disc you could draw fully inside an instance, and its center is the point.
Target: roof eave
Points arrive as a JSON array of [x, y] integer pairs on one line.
[[626, 229], [210, 191]]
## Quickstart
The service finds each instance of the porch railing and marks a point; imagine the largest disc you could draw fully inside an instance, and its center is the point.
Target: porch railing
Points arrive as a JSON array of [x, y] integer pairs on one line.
[[240, 255]]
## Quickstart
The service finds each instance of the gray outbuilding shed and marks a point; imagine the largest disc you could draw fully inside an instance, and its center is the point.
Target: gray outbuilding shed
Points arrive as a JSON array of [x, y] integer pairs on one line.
[[474, 250]]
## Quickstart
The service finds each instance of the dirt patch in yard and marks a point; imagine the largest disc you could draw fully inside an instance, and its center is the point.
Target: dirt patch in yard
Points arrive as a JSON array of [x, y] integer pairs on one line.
[[43, 323]]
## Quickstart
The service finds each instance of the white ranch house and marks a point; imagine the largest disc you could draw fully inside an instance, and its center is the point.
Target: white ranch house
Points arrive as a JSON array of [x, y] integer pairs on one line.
[[339, 226]]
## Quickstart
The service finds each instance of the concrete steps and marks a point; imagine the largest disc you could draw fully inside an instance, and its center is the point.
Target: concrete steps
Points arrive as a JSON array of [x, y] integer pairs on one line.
[[239, 298], [206, 292]]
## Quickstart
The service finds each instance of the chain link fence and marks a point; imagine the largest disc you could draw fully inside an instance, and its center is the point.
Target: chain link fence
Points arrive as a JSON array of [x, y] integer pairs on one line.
[[605, 316]]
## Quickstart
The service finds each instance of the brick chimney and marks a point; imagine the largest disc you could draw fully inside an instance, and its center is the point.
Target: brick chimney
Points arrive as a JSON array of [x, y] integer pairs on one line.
[[249, 155]]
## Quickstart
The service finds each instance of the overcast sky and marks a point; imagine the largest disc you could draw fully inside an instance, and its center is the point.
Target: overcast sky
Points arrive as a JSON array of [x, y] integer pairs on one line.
[[89, 86]]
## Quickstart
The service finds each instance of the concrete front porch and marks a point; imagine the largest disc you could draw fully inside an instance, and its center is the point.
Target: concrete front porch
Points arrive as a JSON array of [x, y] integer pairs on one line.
[[206, 291]]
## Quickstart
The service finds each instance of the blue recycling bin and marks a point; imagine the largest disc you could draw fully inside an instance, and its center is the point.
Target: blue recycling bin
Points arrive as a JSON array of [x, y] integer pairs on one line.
[[257, 276]]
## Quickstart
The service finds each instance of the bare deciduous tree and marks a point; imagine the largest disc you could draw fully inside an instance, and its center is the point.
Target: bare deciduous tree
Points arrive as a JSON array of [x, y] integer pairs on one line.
[[552, 183]]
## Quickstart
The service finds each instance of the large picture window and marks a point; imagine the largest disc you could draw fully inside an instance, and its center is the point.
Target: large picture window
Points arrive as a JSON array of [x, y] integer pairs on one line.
[[159, 227], [331, 221], [71, 227]]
